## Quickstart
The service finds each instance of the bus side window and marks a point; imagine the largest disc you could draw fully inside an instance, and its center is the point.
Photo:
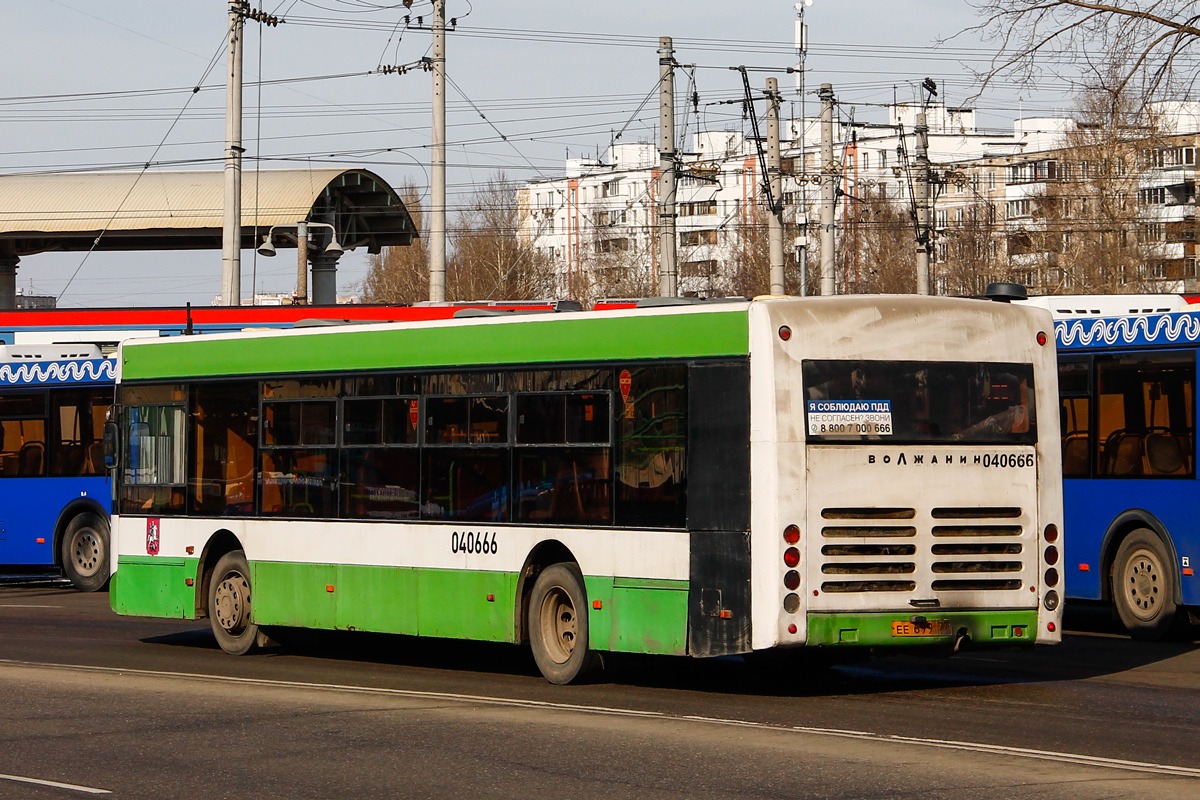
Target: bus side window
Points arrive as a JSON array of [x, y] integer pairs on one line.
[[1145, 415]]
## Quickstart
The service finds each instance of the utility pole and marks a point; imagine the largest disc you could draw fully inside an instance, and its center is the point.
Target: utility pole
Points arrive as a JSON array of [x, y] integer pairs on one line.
[[668, 282], [801, 53], [437, 211], [774, 165], [301, 263], [921, 200], [231, 232], [828, 189]]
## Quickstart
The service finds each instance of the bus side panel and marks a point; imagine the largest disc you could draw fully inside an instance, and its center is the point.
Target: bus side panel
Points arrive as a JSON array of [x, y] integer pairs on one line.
[[454, 604], [29, 509], [380, 599], [293, 594], [637, 615], [1093, 506], [649, 616], [718, 521], [151, 586]]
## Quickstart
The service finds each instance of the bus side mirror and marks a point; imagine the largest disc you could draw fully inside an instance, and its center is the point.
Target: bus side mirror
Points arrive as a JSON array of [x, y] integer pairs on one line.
[[110, 445]]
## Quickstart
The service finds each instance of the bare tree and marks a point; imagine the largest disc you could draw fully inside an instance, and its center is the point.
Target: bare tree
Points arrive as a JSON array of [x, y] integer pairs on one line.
[[973, 252], [879, 251], [491, 260], [614, 262], [1151, 41], [401, 274]]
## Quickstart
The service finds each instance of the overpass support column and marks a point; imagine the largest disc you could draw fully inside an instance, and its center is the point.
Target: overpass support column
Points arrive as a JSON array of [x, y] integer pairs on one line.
[[324, 279], [8, 278]]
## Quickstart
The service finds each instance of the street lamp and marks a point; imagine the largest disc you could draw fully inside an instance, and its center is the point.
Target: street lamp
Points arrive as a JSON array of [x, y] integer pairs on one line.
[[267, 249]]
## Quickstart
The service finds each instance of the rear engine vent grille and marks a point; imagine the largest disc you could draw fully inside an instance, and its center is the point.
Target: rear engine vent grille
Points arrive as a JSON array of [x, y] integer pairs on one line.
[[980, 512], [835, 587], [972, 549], [976, 566], [969, 549], [869, 513], [976, 530], [897, 568], [868, 549], [866, 532], [976, 586]]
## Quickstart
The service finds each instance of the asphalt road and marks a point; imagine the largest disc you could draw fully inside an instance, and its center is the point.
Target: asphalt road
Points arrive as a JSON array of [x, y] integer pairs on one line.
[[92, 704]]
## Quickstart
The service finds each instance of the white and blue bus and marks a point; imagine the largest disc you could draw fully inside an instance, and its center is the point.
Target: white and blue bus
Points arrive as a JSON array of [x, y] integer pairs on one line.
[[55, 492], [1127, 377]]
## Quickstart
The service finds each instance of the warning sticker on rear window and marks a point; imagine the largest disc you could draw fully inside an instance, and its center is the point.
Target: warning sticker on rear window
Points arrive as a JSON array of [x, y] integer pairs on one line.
[[863, 417]]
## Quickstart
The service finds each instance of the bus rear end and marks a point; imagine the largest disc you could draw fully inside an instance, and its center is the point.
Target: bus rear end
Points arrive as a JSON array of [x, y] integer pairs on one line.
[[919, 482]]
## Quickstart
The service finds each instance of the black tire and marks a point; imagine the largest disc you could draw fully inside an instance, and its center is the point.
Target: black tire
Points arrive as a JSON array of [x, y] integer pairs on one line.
[[1143, 584], [558, 625], [85, 551], [229, 609]]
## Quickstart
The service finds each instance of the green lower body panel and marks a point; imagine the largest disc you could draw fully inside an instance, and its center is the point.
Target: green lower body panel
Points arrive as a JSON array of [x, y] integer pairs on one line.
[[637, 615], [634, 615], [149, 586], [999, 627], [426, 602]]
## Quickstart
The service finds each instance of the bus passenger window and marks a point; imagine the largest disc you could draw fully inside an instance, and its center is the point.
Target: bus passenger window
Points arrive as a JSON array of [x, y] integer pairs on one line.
[[1145, 409], [651, 449]]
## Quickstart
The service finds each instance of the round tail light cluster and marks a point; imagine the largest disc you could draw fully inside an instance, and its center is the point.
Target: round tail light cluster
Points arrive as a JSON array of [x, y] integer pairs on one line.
[[1051, 533], [791, 579], [1051, 555], [1051, 577]]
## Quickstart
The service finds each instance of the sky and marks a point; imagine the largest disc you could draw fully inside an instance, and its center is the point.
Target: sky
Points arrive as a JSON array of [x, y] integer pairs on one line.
[[109, 86]]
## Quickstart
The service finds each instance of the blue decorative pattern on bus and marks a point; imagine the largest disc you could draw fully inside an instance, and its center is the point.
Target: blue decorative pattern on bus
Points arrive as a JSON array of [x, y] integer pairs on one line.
[[1151, 329], [38, 373]]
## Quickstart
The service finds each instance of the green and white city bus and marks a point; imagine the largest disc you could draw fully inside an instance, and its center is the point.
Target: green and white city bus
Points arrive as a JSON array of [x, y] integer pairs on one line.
[[704, 479]]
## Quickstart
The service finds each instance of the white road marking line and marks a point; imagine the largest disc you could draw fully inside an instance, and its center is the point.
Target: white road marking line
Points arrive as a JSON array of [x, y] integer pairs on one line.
[[24, 605], [55, 784], [943, 744]]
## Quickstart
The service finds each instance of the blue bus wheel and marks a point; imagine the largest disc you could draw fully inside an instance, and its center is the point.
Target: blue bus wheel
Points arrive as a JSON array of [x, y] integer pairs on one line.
[[85, 552], [1144, 585]]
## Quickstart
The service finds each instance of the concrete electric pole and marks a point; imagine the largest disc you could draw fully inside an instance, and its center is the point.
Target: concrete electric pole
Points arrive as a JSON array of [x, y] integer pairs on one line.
[[668, 275], [802, 220], [437, 210], [774, 165], [921, 201], [231, 233], [829, 173]]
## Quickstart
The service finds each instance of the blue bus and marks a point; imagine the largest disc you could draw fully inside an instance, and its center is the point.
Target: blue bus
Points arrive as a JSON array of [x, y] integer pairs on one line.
[[1128, 414], [55, 493]]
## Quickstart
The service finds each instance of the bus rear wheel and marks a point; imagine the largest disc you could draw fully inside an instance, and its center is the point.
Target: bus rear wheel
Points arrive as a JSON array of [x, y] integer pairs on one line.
[[1143, 586], [229, 608], [558, 625], [85, 552]]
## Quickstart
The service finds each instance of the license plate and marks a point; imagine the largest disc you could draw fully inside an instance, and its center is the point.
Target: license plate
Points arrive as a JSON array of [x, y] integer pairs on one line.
[[934, 627]]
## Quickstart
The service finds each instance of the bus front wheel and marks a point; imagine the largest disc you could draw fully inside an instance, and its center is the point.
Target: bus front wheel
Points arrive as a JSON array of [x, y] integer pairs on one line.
[[85, 552], [229, 610], [1143, 586], [558, 625]]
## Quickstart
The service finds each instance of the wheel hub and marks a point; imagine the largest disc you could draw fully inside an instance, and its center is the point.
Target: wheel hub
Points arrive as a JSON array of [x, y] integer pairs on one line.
[[87, 552], [231, 602], [560, 626], [1144, 582]]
